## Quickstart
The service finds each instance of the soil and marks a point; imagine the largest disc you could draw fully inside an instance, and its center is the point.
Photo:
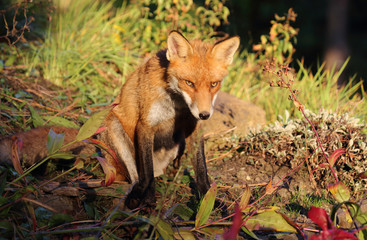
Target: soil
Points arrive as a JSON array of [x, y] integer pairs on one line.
[[257, 173]]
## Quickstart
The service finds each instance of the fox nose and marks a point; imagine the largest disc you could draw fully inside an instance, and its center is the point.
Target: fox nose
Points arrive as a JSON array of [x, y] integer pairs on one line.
[[204, 115]]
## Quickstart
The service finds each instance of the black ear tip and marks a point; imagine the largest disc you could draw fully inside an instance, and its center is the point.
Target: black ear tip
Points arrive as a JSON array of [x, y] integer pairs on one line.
[[177, 32]]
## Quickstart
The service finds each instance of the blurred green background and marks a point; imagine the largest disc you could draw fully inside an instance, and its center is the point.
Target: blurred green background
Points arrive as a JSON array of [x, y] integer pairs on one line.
[[250, 19]]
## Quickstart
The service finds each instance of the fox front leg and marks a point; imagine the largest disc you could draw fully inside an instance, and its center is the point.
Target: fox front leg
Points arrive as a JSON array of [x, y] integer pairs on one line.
[[143, 191], [196, 147]]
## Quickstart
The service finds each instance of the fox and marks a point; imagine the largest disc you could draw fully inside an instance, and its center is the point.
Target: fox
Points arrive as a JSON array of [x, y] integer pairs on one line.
[[157, 114]]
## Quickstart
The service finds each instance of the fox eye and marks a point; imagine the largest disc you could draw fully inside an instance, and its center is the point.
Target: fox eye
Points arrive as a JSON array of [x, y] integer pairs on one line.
[[213, 84], [189, 83]]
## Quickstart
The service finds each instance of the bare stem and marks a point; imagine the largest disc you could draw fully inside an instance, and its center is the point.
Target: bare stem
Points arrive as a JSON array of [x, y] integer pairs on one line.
[[288, 84], [319, 143]]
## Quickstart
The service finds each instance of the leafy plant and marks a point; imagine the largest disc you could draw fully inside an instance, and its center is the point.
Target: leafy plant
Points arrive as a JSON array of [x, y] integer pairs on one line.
[[278, 45]]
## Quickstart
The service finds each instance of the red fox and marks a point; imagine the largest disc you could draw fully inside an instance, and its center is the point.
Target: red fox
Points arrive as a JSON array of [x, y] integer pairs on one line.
[[159, 108]]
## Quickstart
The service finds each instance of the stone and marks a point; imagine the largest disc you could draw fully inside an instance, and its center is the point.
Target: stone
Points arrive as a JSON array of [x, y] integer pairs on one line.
[[233, 113]]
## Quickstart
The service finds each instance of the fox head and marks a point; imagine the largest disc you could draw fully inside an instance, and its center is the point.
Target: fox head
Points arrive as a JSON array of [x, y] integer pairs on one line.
[[197, 69]]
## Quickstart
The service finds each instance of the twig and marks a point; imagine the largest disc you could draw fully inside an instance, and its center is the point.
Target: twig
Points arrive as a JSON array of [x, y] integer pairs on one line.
[[35, 104], [39, 204], [68, 108]]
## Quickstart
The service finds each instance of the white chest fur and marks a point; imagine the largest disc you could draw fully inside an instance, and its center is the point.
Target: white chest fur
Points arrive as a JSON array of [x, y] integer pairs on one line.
[[162, 109]]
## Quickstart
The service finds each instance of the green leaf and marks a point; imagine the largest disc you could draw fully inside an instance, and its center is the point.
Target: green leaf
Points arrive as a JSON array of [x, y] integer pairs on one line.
[[340, 192], [184, 234], [59, 121], [59, 219], [3, 200], [206, 206], [5, 211], [92, 125], [212, 231], [54, 141], [43, 216], [6, 229], [3, 176], [362, 235], [63, 155], [90, 209], [245, 198], [250, 233], [181, 210], [164, 229], [269, 220], [36, 118], [10, 61]]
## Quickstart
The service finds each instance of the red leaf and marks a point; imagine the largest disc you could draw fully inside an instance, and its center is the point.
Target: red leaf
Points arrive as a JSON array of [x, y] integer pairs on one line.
[[109, 170], [339, 234], [16, 146], [104, 147], [363, 175], [334, 234], [236, 225], [269, 188], [320, 217], [335, 155], [317, 237], [99, 130]]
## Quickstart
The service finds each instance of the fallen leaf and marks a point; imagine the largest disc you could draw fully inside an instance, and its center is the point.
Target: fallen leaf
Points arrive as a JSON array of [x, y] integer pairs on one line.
[[245, 198], [340, 192], [335, 155], [269, 220], [54, 141], [104, 147], [269, 189], [109, 170], [16, 146], [78, 164], [164, 229]]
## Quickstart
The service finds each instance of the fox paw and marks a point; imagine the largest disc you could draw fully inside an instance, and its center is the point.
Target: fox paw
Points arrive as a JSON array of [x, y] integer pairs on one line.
[[134, 201]]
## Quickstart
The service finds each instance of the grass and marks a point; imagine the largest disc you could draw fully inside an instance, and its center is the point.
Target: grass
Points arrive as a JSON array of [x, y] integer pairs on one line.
[[90, 48], [83, 50], [300, 206]]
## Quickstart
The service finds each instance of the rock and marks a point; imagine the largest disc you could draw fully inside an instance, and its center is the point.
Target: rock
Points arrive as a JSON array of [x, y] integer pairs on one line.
[[231, 112], [241, 174], [343, 218]]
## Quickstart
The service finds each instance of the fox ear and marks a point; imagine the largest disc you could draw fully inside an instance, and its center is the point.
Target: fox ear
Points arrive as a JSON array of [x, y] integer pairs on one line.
[[224, 50], [177, 46]]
